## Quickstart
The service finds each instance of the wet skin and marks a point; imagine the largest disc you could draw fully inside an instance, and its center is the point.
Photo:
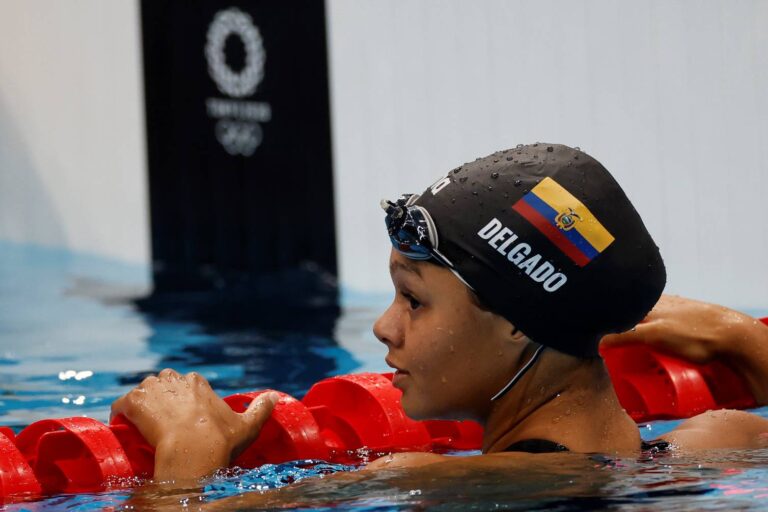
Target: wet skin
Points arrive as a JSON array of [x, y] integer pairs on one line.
[[452, 357]]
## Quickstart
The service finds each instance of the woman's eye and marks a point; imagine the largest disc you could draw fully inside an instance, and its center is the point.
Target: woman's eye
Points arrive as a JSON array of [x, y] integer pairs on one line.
[[415, 304]]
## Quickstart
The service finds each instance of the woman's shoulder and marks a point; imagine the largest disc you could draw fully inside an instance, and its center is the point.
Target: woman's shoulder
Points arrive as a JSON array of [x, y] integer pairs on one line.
[[719, 430]]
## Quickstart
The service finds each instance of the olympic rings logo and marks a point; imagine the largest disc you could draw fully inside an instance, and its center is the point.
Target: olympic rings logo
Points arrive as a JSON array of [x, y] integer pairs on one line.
[[226, 23], [239, 137]]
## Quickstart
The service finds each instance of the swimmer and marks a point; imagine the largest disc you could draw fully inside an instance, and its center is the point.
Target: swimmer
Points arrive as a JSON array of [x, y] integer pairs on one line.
[[508, 272]]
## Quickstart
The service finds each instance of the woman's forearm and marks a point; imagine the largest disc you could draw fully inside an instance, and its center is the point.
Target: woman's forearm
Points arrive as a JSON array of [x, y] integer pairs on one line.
[[744, 347]]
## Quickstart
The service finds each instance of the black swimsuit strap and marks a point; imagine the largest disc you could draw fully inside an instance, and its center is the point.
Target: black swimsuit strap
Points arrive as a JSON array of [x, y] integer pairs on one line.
[[536, 446], [546, 446], [657, 445]]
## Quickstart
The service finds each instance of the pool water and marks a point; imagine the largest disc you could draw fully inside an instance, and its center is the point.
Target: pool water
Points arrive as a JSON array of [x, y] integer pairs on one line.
[[72, 340]]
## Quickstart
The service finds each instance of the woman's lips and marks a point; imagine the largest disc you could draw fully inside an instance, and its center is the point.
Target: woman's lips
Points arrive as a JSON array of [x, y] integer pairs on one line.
[[399, 376], [394, 366]]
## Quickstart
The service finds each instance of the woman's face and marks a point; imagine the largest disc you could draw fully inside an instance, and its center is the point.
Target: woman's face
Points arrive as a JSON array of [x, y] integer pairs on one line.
[[450, 355]]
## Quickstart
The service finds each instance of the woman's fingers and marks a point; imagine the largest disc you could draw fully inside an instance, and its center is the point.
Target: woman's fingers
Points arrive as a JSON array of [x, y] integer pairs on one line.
[[643, 333], [127, 403], [148, 381], [168, 374], [668, 336], [117, 407], [252, 420], [259, 410]]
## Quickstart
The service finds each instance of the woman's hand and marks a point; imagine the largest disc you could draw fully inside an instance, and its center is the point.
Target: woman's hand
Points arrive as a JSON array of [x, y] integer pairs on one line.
[[193, 430], [701, 333]]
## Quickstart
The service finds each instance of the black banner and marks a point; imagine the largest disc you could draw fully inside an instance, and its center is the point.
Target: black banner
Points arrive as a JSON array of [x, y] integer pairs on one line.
[[239, 146]]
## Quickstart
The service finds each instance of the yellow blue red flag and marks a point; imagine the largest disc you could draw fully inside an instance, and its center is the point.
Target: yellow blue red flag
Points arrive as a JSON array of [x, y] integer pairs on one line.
[[564, 220]]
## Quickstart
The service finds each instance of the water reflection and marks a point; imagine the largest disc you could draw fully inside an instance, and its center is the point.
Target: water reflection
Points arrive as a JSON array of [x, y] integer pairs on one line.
[[245, 360], [73, 336]]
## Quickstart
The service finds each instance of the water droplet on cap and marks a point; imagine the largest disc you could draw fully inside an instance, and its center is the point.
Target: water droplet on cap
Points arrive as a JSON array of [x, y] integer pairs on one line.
[[518, 183], [550, 149], [463, 179], [474, 192], [519, 146], [494, 175], [490, 187], [509, 158]]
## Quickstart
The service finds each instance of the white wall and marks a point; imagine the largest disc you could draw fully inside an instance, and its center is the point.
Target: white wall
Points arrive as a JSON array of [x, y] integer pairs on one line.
[[669, 95], [72, 152]]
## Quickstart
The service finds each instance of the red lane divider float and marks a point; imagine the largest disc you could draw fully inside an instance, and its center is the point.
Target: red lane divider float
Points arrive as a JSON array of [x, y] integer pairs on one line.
[[653, 386], [364, 410], [290, 433], [16, 477], [338, 416], [73, 454]]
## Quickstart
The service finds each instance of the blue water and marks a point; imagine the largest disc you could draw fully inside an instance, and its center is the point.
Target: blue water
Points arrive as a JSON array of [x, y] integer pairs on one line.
[[71, 341]]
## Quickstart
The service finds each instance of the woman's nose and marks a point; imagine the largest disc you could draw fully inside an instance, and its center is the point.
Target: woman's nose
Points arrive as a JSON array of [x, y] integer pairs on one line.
[[387, 328]]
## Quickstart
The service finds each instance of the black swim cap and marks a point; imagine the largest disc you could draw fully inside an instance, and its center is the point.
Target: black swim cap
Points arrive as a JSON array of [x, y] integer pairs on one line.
[[548, 240]]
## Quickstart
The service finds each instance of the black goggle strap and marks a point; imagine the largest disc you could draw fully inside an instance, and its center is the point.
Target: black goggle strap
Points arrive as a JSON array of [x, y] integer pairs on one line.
[[519, 375]]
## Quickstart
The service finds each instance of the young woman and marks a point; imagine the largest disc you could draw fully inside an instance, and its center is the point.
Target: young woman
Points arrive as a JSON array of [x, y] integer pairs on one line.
[[508, 272]]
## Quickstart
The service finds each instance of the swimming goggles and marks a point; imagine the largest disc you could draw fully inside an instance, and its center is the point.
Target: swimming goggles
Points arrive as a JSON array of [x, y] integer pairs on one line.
[[412, 230]]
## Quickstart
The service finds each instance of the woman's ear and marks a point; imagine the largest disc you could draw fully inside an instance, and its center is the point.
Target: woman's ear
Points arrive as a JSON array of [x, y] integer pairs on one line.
[[517, 334]]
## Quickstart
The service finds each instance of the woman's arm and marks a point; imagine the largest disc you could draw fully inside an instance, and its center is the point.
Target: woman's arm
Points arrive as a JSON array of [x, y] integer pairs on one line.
[[193, 430], [723, 429], [702, 333]]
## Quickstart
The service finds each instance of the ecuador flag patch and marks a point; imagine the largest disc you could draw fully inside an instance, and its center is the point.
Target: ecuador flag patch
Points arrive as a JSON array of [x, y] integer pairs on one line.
[[564, 220]]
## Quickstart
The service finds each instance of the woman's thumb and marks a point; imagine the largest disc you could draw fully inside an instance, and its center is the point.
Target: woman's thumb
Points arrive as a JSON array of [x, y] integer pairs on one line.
[[259, 410], [642, 333]]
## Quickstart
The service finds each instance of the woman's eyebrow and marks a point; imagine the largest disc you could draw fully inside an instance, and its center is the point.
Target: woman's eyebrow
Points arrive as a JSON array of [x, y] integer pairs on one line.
[[408, 267]]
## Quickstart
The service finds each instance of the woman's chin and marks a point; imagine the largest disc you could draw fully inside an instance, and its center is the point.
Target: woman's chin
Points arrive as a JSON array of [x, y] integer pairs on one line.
[[412, 410], [418, 410]]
